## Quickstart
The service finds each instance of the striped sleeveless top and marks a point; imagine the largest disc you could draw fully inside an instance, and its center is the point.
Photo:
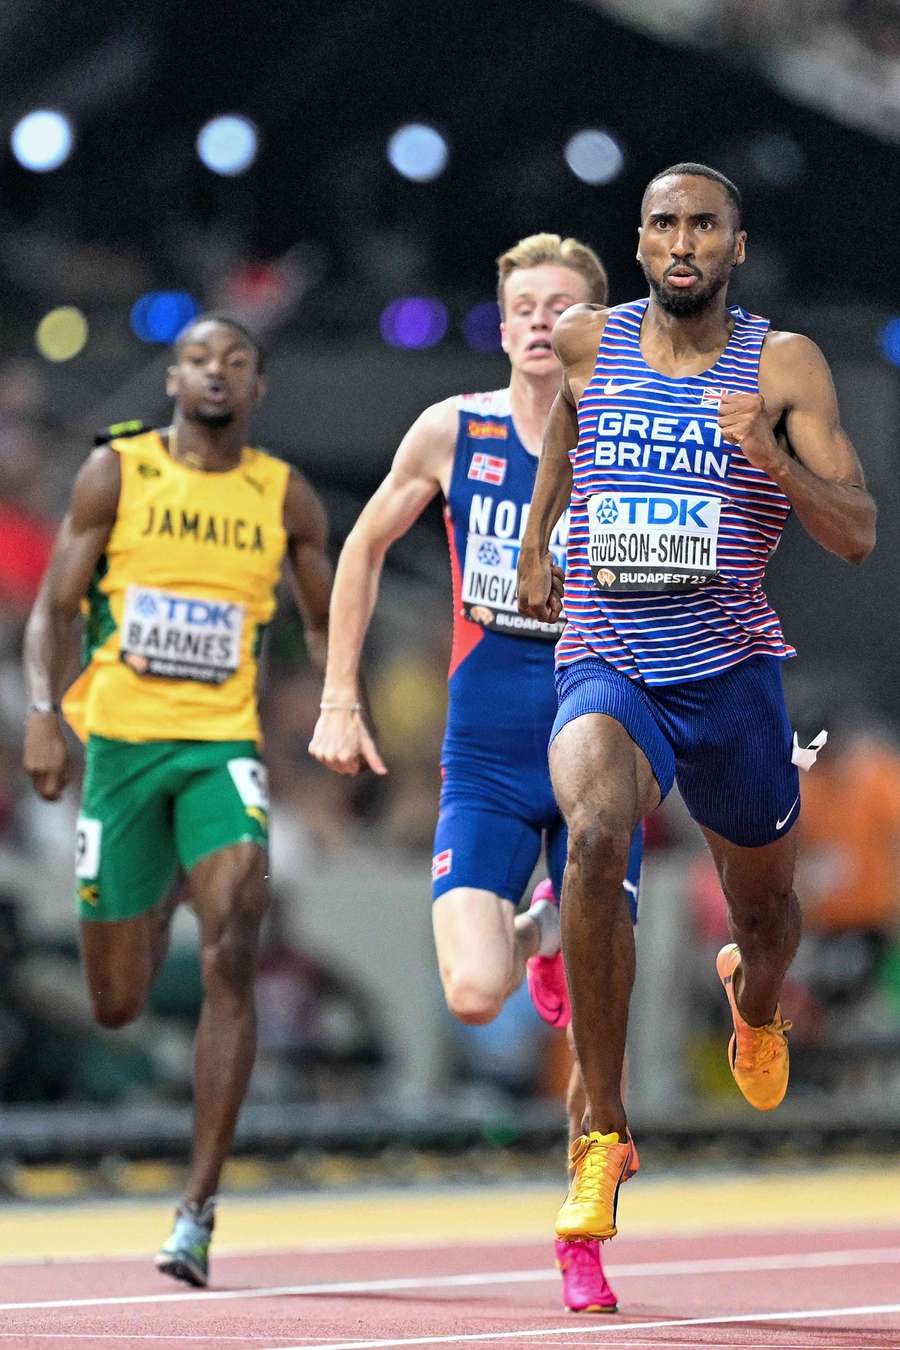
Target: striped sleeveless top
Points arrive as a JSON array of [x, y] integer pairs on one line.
[[671, 527]]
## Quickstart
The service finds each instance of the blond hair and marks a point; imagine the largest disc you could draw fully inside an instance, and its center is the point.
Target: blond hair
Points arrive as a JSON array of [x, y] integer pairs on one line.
[[552, 248]]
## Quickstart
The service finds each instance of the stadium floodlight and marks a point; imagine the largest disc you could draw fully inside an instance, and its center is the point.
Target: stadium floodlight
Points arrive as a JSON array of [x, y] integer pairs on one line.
[[61, 334], [418, 152], [890, 341], [594, 156], [414, 321], [159, 316], [228, 144], [481, 327], [42, 140]]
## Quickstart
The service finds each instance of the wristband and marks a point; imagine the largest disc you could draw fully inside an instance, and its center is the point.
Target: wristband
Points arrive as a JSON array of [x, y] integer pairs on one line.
[[41, 707], [340, 707]]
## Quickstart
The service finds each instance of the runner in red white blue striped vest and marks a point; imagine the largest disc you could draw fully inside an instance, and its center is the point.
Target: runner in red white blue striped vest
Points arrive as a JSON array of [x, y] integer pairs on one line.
[[497, 810], [684, 433]]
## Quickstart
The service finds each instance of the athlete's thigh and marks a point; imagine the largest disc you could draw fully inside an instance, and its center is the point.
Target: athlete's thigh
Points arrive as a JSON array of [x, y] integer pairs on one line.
[[229, 892], [474, 937], [599, 771], [222, 802], [125, 852], [734, 755], [608, 754]]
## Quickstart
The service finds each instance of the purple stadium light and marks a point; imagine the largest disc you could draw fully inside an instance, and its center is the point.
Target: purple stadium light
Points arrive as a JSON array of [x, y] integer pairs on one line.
[[481, 327], [414, 321]]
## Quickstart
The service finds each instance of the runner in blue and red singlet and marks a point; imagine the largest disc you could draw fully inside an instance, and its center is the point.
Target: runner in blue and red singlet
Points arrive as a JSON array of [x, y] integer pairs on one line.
[[697, 430], [497, 806]]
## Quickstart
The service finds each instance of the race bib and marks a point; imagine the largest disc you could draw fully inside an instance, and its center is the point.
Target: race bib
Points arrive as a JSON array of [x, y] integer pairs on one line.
[[88, 835], [489, 588], [181, 637], [653, 541]]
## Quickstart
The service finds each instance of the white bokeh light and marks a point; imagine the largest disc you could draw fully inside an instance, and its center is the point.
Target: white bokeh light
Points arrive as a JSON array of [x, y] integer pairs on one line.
[[228, 144], [42, 140], [418, 152], [594, 157]]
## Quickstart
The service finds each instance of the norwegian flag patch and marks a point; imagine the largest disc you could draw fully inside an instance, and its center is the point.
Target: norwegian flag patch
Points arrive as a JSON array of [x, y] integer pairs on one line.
[[488, 468], [712, 397], [441, 864]]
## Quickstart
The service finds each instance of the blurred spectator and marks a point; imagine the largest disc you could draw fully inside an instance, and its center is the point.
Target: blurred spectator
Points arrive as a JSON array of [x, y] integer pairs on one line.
[[848, 870]]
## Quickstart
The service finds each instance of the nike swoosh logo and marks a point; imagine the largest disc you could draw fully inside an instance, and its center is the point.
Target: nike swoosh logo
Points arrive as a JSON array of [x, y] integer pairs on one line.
[[780, 823], [611, 388]]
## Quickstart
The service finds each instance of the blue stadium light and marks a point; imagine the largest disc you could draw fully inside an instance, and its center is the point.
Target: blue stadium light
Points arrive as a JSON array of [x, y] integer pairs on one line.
[[594, 157], [228, 144], [418, 152], [42, 140], [414, 321], [159, 316], [481, 327], [890, 341]]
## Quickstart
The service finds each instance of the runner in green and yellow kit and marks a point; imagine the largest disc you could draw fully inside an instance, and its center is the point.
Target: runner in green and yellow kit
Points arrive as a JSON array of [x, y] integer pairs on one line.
[[172, 547]]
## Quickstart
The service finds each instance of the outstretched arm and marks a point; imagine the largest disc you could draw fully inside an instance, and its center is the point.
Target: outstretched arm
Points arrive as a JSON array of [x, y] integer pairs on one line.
[[79, 545], [825, 482], [419, 471]]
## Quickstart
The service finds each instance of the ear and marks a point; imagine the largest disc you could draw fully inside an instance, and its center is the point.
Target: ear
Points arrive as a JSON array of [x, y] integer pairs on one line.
[[638, 254], [262, 388], [740, 249], [504, 341], [171, 381]]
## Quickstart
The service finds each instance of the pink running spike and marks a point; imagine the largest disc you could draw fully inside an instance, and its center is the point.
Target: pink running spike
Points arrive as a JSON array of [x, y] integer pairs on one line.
[[585, 1287], [546, 975]]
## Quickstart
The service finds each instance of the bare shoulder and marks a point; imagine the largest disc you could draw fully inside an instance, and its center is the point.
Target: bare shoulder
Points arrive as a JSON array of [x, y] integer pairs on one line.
[[304, 514], [428, 446], [95, 495], [577, 332], [792, 364]]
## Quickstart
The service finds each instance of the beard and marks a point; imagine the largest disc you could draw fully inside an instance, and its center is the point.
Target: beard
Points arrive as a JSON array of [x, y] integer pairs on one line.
[[686, 304], [222, 417]]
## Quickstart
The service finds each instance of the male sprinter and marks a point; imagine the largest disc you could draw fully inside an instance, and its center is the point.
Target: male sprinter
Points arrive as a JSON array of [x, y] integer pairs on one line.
[[697, 430], [480, 451], [174, 542]]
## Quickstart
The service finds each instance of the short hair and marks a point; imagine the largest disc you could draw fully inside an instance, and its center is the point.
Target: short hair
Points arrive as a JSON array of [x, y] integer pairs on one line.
[[552, 248], [241, 329], [699, 171]]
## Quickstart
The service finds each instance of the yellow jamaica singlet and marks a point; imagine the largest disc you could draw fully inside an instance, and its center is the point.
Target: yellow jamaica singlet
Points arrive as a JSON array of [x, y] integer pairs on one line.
[[177, 606]]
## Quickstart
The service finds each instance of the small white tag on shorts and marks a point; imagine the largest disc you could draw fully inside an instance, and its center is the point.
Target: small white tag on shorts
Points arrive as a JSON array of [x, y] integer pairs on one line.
[[805, 756], [251, 781], [88, 834]]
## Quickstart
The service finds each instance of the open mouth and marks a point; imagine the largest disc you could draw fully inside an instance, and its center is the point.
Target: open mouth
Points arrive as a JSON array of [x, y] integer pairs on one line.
[[683, 278], [539, 345]]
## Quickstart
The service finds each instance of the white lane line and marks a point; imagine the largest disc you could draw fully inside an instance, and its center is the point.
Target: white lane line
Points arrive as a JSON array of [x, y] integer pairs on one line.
[[709, 1266], [866, 1310]]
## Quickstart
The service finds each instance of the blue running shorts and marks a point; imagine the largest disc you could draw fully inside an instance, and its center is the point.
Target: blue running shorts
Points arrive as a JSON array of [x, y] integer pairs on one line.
[[726, 740]]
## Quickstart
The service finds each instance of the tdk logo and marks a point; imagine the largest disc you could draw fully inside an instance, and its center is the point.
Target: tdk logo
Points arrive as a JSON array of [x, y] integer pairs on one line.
[[182, 609], [656, 510]]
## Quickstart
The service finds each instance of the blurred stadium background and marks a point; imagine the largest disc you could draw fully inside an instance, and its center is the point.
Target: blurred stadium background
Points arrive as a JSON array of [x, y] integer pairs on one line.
[[341, 176]]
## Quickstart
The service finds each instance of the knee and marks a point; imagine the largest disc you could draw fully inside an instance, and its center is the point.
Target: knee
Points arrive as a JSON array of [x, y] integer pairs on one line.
[[229, 961], [115, 1008], [471, 999], [598, 849]]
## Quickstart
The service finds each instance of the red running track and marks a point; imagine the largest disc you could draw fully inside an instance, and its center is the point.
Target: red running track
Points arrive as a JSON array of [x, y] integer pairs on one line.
[[815, 1290]]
